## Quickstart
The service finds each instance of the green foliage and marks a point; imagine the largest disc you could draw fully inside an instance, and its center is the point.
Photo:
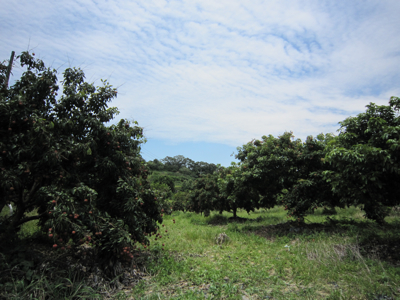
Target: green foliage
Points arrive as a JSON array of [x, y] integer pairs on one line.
[[173, 164], [311, 191], [180, 201], [365, 157], [168, 180], [359, 167], [205, 196], [271, 170], [86, 180], [269, 166], [164, 196], [186, 185], [182, 165], [155, 165], [235, 192], [171, 190]]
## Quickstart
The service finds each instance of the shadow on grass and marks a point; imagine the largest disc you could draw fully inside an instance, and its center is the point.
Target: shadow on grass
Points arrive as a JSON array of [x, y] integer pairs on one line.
[[223, 220], [375, 241]]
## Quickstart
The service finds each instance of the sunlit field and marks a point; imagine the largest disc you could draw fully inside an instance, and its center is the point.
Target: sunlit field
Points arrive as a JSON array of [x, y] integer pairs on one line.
[[340, 256], [266, 256]]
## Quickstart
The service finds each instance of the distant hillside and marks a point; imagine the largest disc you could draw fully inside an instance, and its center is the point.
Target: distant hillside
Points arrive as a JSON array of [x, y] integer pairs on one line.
[[177, 178], [178, 171]]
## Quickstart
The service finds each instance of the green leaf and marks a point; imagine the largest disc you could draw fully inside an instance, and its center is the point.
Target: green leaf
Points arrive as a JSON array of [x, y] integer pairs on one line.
[[89, 151]]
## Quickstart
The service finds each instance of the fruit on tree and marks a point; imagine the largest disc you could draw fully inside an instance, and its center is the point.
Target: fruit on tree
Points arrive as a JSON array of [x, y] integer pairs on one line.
[[59, 127]]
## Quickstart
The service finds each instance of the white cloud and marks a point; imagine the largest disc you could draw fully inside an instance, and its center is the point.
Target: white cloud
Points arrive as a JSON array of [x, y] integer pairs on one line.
[[221, 71]]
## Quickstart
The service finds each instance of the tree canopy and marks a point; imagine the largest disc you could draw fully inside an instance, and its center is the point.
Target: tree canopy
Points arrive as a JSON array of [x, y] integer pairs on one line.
[[358, 167], [365, 157], [87, 181], [183, 165]]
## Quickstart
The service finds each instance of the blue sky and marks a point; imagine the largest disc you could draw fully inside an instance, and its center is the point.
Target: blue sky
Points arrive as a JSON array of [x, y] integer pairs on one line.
[[204, 77]]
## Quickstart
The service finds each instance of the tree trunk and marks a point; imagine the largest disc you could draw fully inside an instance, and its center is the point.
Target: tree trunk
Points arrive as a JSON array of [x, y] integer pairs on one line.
[[9, 69]]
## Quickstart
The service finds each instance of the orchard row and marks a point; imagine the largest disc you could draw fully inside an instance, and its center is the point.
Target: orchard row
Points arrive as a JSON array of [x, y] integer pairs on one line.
[[359, 166]]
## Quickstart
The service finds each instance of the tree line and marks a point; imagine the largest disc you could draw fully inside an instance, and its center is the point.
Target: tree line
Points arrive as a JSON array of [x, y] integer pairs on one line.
[[182, 165], [359, 166]]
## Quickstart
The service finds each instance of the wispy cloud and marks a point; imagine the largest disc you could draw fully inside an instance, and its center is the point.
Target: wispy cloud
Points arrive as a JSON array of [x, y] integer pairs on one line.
[[221, 71]]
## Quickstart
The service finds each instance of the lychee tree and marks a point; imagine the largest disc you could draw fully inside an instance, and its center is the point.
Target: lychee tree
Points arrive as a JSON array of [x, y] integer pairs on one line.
[[366, 158], [311, 190], [223, 190], [270, 166], [180, 201], [235, 191], [286, 171], [164, 196], [86, 181], [204, 195]]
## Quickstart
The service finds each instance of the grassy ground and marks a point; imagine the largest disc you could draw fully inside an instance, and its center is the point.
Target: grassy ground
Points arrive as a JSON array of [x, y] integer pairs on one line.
[[265, 257], [269, 258], [28, 228]]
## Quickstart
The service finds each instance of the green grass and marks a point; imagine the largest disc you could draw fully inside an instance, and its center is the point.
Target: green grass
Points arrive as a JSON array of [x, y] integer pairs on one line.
[[288, 261], [266, 257], [28, 228], [43, 286]]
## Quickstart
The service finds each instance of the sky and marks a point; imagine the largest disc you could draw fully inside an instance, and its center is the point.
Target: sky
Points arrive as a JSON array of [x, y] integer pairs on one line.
[[205, 77]]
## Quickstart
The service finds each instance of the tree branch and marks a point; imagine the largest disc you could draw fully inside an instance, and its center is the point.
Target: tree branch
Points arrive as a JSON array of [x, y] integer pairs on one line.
[[27, 219], [33, 189]]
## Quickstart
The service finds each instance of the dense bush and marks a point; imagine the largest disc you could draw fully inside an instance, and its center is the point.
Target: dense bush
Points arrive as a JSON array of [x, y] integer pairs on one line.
[[224, 190], [164, 196]]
